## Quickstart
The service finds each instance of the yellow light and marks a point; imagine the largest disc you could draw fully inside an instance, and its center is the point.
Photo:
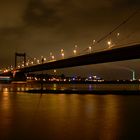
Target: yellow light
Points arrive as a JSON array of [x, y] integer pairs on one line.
[[50, 53], [52, 56], [118, 34], [5, 71], [109, 42], [75, 46], [62, 50], [63, 55], [90, 48], [74, 51], [27, 64], [38, 61]]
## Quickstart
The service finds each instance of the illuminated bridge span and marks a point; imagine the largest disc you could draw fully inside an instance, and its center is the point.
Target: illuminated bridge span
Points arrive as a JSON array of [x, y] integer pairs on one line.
[[110, 55]]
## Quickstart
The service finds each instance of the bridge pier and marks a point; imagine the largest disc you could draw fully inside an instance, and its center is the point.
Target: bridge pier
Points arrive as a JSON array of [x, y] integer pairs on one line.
[[19, 76]]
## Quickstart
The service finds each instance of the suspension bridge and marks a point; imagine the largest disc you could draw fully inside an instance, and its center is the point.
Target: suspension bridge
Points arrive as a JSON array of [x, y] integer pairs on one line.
[[111, 53]]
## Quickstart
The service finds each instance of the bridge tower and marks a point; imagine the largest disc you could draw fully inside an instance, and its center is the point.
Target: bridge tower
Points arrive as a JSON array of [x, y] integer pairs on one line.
[[20, 55], [17, 75]]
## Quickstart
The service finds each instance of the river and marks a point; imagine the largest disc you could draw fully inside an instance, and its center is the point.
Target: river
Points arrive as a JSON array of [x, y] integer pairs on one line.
[[26, 116]]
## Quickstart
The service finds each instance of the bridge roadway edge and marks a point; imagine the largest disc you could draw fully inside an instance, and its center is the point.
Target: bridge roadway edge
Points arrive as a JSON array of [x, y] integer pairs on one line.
[[110, 55]]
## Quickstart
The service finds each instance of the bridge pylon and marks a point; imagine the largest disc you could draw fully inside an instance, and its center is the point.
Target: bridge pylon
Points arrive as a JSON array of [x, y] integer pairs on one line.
[[20, 55]]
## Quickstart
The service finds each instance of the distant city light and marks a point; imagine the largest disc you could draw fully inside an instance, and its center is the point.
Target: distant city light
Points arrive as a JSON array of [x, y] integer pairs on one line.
[[73, 79], [5, 71], [90, 77]]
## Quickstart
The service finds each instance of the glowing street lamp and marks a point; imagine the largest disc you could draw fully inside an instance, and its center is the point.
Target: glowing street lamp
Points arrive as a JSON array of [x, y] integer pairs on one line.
[[74, 51], [38, 62], [90, 48], [27, 64], [62, 50], [118, 34], [109, 44], [45, 59], [62, 53], [52, 57], [94, 42]]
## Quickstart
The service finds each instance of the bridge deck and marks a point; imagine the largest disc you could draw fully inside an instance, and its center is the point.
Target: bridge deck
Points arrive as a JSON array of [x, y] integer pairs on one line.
[[110, 55]]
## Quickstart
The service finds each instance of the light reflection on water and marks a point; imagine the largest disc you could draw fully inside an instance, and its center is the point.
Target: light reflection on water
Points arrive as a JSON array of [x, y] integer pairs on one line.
[[25, 87], [66, 117]]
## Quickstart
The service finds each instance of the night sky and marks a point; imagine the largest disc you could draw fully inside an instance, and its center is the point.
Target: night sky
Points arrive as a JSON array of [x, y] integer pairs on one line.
[[39, 27]]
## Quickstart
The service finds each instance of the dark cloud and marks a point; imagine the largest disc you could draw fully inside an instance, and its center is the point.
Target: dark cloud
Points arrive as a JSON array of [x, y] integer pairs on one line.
[[11, 13], [127, 3], [39, 14]]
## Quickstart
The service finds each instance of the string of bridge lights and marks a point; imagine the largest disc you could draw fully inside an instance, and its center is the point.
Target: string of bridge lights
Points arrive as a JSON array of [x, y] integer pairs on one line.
[[35, 61]]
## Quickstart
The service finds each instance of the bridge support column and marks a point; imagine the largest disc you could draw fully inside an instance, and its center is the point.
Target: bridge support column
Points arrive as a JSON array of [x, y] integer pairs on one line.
[[19, 76]]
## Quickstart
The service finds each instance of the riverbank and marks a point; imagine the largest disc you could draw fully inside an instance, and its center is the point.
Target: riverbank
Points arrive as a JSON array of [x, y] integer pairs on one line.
[[98, 92]]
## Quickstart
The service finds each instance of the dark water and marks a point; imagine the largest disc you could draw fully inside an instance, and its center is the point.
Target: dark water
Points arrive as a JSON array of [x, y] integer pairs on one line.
[[25, 116]]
